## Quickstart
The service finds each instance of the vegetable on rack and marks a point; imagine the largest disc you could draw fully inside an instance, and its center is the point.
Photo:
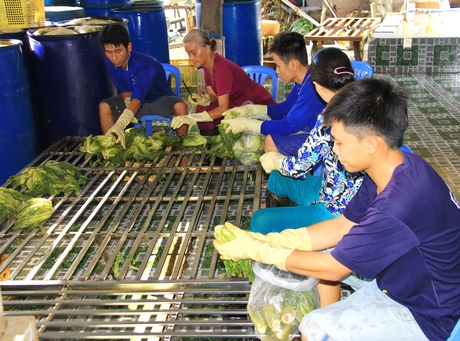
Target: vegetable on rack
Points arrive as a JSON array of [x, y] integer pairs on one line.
[[119, 260], [10, 203], [241, 268], [52, 178], [26, 212], [194, 140], [139, 147], [33, 213]]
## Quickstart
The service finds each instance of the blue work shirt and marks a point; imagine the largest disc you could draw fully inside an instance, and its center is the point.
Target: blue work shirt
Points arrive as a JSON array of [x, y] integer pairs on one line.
[[297, 113], [145, 77]]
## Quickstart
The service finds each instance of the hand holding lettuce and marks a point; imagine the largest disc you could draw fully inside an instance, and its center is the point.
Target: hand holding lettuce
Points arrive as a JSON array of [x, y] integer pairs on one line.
[[245, 111], [240, 268]]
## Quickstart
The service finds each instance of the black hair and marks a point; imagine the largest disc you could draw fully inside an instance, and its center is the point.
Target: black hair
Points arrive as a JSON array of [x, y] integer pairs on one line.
[[114, 34], [201, 37], [331, 68], [371, 107], [288, 46]]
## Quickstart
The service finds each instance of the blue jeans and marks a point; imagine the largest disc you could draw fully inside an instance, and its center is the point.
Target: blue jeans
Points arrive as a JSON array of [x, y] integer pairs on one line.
[[305, 193]]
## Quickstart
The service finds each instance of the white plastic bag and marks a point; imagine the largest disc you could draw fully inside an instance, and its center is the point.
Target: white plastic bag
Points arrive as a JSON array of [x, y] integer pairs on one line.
[[279, 300]]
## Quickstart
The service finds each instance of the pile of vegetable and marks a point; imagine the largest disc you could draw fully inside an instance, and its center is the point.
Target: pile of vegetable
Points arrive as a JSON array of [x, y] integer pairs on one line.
[[241, 268], [28, 213], [279, 300], [139, 147], [52, 178]]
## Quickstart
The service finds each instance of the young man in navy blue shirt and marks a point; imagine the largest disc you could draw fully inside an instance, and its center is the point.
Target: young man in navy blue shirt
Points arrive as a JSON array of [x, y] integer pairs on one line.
[[400, 233]]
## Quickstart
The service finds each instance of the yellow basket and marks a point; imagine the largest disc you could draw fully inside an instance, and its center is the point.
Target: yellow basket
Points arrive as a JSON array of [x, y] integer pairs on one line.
[[187, 70], [18, 14]]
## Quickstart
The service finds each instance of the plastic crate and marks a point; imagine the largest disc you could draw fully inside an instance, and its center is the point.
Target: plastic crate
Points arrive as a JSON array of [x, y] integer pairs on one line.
[[19, 14]]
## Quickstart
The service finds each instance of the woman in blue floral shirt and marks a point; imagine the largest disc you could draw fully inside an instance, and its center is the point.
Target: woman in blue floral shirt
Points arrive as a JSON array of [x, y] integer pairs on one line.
[[317, 198]]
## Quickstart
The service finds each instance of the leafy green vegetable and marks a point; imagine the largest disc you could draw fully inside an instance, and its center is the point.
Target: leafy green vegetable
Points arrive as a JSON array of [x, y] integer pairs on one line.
[[139, 147], [302, 26], [194, 140], [222, 145], [52, 178], [241, 268], [119, 260], [33, 213], [10, 203], [167, 139], [106, 141]]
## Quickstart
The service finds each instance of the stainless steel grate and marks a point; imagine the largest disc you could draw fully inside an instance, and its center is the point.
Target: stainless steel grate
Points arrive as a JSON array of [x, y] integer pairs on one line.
[[138, 310], [134, 251]]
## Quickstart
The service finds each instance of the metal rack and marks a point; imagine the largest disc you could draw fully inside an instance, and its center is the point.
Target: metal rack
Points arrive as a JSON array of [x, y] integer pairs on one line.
[[131, 257]]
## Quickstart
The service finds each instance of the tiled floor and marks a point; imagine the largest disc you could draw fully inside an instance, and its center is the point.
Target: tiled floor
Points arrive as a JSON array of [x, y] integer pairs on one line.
[[434, 113]]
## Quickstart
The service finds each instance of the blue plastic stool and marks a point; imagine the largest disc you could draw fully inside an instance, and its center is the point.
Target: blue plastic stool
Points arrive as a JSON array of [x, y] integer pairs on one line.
[[362, 69], [258, 73], [160, 121], [173, 70]]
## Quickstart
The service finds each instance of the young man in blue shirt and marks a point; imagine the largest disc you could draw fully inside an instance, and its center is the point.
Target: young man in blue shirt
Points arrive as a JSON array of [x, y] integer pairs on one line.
[[141, 81], [289, 122], [400, 233]]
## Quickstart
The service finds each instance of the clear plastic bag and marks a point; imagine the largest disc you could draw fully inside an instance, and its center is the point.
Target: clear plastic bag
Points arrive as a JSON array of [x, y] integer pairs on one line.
[[249, 148], [279, 300]]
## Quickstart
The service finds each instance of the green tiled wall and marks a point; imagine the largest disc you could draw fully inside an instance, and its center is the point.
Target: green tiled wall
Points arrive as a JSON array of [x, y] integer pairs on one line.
[[426, 55]]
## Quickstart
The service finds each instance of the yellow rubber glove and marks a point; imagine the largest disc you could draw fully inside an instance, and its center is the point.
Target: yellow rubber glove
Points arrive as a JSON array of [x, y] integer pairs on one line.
[[127, 100], [247, 110], [245, 247], [271, 161], [196, 99], [179, 121], [239, 124], [119, 127], [298, 239]]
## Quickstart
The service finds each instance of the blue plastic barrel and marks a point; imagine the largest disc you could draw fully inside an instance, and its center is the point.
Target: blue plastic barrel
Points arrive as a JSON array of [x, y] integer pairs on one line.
[[198, 13], [242, 29], [147, 29], [24, 38], [70, 80], [103, 7], [27, 54], [61, 13], [18, 141]]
